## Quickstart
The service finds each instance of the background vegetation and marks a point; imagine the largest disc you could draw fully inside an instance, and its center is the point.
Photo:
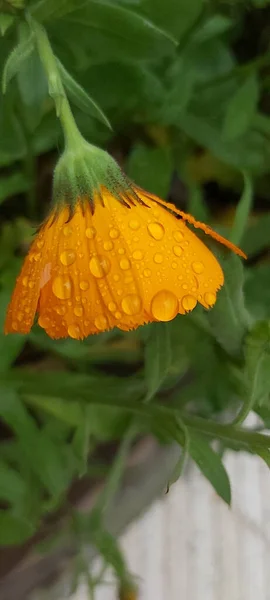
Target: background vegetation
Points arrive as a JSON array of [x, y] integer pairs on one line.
[[185, 87]]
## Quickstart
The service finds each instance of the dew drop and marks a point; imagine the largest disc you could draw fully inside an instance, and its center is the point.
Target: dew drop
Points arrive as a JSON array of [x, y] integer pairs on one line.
[[131, 304], [43, 321], [25, 281], [67, 230], [134, 224], [185, 286], [118, 315], [108, 245], [20, 316], [99, 266], [84, 285], [67, 257], [60, 310], [164, 306], [156, 230], [121, 251], [14, 325], [116, 277], [37, 257], [101, 322], [84, 300], [114, 233], [40, 244], [61, 287], [174, 265], [31, 285], [147, 272], [78, 311], [90, 233], [158, 258], [78, 298], [197, 267], [112, 306], [86, 323], [124, 264], [137, 255], [178, 236], [27, 310], [210, 298], [189, 302], [74, 331], [178, 250]]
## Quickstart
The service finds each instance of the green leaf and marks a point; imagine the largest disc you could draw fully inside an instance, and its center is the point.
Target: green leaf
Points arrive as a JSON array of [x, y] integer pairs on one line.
[[10, 345], [212, 27], [151, 168], [112, 31], [45, 10], [176, 16], [16, 59], [13, 488], [257, 368], [257, 235], [79, 96], [158, 357], [13, 184], [257, 291], [241, 108], [210, 465], [13, 529], [243, 210], [6, 21], [229, 319]]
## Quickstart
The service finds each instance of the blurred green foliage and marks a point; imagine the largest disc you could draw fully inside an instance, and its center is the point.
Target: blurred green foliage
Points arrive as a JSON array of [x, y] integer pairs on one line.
[[179, 92]]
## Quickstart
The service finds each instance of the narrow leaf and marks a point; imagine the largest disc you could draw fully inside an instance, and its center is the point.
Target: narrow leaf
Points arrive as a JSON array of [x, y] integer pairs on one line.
[[158, 357], [15, 60], [241, 108], [243, 210], [210, 465], [80, 98]]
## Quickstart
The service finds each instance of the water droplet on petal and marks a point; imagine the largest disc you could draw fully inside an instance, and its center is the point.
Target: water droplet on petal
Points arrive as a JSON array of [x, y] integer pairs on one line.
[[189, 302], [118, 315], [99, 266], [134, 224], [178, 236], [197, 267], [14, 325], [74, 331], [31, 285], [137, 255], [210, 298], [147, 272], [178, 250], [43, 321], [158, 258], [86, 323], [40, 244], [62, 287], [174, 265], [114, 233], [67, 230], [131, 304], [90, 233], [78, 311], [121, 251], [156, 230], [101, 322], [108, 245], [78, 298], [116, 277], [60, 310], [84, 285], [68, 257], [185, 286], [124, 264], [25, 281], [20, 316], [112, 306], [37, 257], [164, 306]]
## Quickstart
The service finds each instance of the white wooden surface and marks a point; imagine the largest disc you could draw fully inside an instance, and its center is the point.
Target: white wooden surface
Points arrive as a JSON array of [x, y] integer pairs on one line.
[[191, 546]]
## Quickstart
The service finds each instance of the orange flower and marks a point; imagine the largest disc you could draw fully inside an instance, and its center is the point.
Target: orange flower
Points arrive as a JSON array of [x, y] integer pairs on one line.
[[118, 262]]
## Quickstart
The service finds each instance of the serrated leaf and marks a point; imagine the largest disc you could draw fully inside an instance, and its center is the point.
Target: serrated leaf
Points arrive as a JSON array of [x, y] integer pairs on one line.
[[241, 108], [13, 529], [210, 465], [15, 60], [79, 97]]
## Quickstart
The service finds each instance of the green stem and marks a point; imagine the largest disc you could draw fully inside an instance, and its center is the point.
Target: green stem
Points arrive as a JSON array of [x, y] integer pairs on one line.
[[56, 88]]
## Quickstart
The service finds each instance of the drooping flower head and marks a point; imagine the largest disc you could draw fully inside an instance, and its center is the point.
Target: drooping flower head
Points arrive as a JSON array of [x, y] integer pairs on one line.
[[111, 255]]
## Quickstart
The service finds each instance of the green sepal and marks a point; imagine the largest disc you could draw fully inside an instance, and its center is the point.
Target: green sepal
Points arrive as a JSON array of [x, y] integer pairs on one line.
[[83, 171]]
